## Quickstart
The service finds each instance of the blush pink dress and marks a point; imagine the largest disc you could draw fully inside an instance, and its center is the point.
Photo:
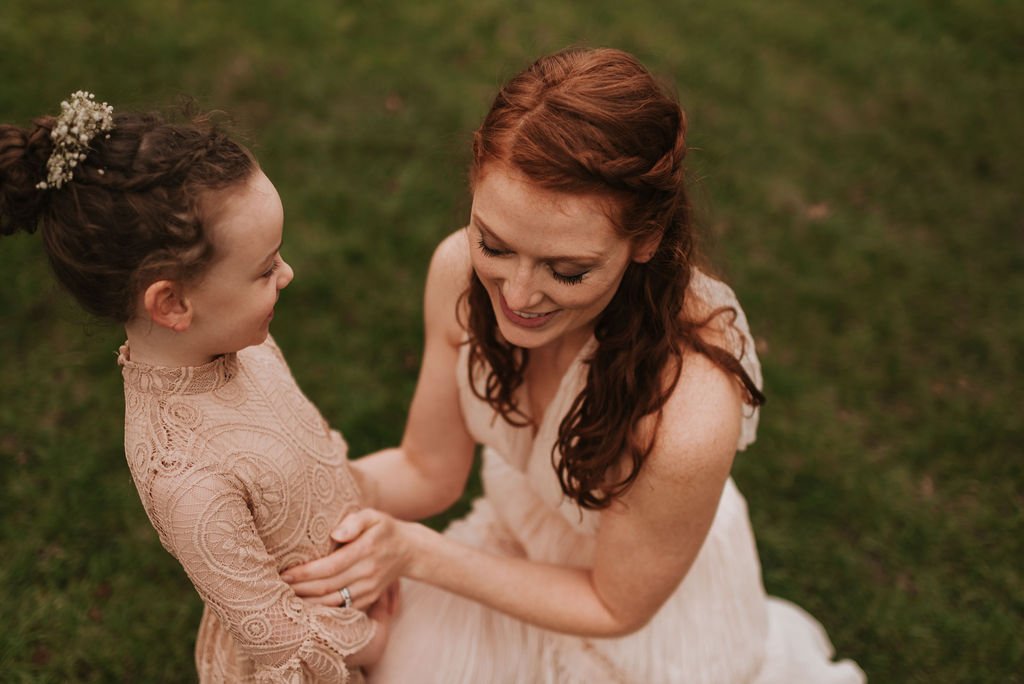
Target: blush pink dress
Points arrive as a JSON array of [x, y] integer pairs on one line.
[[242, 478], [718, 627]]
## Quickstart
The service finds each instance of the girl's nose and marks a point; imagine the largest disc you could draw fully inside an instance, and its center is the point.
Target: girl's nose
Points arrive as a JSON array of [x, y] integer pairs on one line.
[[285, 274]]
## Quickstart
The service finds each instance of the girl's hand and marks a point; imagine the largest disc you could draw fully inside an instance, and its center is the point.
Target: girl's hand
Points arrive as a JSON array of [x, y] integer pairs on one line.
[[374, 551]]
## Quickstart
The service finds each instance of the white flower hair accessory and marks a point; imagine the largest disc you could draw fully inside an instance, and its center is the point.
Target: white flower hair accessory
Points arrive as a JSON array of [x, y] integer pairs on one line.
[[81, 119]]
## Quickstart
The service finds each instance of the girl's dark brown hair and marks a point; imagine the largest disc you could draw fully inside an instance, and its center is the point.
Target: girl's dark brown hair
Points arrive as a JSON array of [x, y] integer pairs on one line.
[[596, 122], [132, 214]]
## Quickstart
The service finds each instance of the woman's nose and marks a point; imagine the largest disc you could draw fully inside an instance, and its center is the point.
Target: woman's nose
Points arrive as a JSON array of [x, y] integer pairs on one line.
[[519, 288]]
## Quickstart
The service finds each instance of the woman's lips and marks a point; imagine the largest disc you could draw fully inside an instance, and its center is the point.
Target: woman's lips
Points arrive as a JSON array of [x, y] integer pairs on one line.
[[533, 321]]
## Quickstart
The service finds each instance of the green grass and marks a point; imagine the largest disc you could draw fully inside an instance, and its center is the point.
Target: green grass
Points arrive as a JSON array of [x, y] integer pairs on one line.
[[858, 169]]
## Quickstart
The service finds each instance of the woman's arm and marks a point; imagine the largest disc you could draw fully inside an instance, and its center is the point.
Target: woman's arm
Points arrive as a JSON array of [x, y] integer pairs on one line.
[[646, 544], [428, 472]]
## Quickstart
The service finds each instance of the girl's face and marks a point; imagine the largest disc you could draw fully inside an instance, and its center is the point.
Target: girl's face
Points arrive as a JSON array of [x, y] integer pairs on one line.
[[233, 303], [550, 261]]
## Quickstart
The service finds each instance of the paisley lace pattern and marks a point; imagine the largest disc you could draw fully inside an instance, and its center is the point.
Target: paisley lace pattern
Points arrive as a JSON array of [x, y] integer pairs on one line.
[[242, 477]]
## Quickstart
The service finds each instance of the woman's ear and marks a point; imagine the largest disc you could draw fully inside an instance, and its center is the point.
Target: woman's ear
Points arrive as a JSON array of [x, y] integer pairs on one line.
[[643, 250], [166, 304]]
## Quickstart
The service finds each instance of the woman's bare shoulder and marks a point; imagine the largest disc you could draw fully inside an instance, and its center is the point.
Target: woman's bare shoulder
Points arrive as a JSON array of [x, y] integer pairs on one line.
[[451, 257], [447, 280], [450, 266], [700, 423]]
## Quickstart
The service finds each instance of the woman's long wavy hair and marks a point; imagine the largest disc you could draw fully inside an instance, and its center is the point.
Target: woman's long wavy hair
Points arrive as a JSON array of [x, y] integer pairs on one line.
[[596, 122]]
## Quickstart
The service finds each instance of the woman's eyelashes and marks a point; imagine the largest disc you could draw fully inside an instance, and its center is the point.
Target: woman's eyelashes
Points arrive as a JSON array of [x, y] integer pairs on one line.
[[568, 279], [489, 251], [573, 279]]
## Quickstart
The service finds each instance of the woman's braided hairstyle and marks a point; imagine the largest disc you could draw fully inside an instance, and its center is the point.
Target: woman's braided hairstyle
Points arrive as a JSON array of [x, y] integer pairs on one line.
[[132, 213], [595, 122]]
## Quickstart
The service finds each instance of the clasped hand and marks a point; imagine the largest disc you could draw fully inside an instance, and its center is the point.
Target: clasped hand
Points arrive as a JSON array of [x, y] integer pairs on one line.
[[373, 551]]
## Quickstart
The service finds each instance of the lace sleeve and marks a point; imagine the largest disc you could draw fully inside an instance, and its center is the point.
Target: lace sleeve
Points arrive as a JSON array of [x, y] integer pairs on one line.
[[206, 524]]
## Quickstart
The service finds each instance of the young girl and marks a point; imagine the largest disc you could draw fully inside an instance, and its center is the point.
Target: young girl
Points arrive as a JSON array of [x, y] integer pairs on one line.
[[173, 230]]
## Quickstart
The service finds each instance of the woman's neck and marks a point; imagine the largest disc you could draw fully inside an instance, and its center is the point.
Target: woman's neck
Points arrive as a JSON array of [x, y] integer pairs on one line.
[[562, 351]]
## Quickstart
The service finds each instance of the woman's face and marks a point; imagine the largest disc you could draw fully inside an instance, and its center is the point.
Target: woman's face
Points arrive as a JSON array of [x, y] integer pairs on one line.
[[550, 261]]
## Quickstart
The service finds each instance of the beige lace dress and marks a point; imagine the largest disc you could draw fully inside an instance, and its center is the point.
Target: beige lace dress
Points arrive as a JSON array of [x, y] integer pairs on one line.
[[242, 478]]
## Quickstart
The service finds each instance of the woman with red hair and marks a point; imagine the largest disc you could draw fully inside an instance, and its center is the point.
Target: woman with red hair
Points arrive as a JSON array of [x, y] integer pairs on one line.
[[611, 383]]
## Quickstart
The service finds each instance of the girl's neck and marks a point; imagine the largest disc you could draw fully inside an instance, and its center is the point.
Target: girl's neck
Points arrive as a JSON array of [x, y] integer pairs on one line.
[[155, 345]]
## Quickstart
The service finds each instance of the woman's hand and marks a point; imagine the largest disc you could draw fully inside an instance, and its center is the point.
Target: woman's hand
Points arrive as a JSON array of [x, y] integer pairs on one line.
[[374, 551]]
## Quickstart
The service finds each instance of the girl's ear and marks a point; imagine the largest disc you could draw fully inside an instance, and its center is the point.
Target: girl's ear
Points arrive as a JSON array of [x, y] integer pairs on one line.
[[166, 304]]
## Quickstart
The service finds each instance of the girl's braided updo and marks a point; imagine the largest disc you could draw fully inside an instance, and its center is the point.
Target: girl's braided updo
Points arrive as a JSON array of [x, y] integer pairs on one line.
[[132, 213]]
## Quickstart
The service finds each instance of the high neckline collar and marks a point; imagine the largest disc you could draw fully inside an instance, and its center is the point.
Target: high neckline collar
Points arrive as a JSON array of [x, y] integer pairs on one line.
[[150, 379]]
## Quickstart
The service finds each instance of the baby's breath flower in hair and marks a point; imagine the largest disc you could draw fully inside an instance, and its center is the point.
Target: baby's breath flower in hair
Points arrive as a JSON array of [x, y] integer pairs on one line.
[[80, 120]]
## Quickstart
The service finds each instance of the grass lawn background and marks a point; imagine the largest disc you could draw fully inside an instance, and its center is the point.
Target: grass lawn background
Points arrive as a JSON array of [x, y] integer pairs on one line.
[[858, 172]]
